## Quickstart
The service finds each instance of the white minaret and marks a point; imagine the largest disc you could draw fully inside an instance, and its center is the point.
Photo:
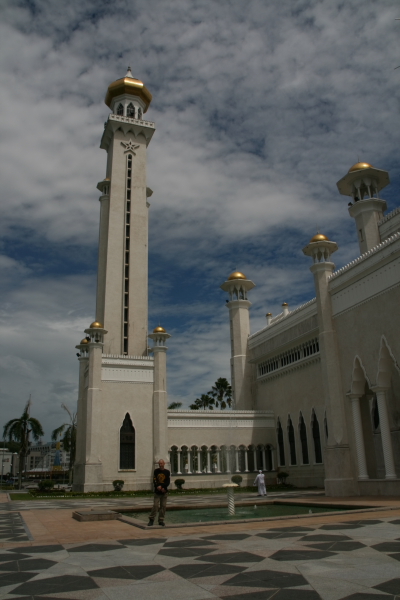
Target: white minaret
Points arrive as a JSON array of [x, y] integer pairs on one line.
[[122, 296], [237, 287], [339, 476], [363, 183]]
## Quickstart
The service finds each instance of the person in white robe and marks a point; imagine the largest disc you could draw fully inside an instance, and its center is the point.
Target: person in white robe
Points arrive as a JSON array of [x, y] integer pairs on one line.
[[260, 482]]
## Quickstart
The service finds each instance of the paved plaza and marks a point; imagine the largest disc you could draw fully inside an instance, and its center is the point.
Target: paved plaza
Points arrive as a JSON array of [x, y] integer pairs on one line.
[[44, 553]]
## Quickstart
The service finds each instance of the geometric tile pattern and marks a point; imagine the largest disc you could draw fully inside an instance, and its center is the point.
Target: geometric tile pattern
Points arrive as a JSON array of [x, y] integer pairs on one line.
[[354, 561], [12, 528]]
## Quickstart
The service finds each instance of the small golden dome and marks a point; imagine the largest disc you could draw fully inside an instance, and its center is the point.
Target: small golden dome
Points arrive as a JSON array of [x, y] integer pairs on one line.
[[106, 179], [236, 275], [268, 315], [159, 329], [84, 341], [319, 237], [285, 304], [128, 85], [96, 325], [359, 166]]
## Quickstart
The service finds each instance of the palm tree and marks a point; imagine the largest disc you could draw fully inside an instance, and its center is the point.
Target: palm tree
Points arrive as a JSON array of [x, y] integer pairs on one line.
[[19, 431], [68, 433], [221, 391], [174, 405], [205, 402]]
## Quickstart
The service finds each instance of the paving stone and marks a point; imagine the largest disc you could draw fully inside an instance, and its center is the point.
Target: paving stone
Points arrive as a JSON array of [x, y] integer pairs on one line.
[[184, 552], [227, 536], [387, 547], [188, 571], [31, 564], [64, 583], [142, 542], [49, 549], [233, 557], [96, 548], [127, 572], [300, 555], [324, 537], [267, 579], [285, 594], [338, 546], [188, 543]]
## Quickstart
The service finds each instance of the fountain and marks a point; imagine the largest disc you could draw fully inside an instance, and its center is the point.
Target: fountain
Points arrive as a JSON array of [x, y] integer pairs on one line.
[[231, 500]]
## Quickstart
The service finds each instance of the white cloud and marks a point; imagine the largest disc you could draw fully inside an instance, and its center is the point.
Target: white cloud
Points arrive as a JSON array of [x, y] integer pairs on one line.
[[260, 108]]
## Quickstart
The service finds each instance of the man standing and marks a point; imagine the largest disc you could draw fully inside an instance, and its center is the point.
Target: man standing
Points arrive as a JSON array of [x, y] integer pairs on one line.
[[260, 482], [161, 481]]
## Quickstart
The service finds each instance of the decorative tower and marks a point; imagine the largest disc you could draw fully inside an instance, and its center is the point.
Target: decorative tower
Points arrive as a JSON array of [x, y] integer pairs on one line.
[[237, 287], [122, 296], [338, 466], [363, 183], [160, 419], [122, 420]]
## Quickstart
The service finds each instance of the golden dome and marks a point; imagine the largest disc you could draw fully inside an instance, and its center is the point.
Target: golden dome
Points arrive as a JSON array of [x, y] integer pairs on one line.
[[84, 341], [268, 315], [236, 275], [285, 304], [319, 237], [159, 329], [96, 325], [106, 179], [359, 166], [128, 85]]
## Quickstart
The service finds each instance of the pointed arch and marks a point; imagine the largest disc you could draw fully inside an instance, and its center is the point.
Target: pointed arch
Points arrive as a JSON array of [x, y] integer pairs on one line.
[[130, 111], [127, 444], [385, 362], [120, 109], [281, 445], [316, 437], [140, 113], [303, 440], [358, 378], [292, 442]]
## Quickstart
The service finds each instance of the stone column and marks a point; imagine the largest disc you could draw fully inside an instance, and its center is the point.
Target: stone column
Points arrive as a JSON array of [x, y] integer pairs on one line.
[[179, 462], [264, 460], [189, 471], [385, 433], [160, 418], [218, 461], [246, 460], [237, 460], [228, 466], [272, 459], [359, 437], [209, 460], [255, 460], [198, 461]]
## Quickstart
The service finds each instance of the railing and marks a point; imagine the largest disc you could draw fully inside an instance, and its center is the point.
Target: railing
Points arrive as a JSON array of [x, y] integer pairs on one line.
[[289, 357]]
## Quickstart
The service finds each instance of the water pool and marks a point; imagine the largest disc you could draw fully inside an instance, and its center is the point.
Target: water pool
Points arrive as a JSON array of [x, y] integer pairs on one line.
[[199, 515]]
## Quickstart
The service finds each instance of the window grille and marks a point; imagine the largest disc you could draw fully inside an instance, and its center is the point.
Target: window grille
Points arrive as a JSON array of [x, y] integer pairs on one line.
[[120, 110], [290, 356], [130, 111]]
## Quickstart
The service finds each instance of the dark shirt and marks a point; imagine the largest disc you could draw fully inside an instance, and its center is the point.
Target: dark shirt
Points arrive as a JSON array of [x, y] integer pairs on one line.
[[161, 478]]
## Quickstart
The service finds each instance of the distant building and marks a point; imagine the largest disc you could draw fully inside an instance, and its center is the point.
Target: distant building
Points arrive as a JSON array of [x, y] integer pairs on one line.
[[41, 457], [316, 391]]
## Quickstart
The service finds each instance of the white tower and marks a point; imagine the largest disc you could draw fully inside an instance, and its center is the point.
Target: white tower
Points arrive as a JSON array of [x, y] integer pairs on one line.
[[363, 183], [122, 416], [122, 296], [237, 287]]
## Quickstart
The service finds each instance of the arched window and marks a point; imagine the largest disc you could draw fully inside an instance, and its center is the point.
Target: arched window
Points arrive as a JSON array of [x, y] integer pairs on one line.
[[326, 426], [316, 438], [140, 114], [120, 109], [303, 440], [292, 443], [127, 444], [375, 414], [130, 111], [281, 446]]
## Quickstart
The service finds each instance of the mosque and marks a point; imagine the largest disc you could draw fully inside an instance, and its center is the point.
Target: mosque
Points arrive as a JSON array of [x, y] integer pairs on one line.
[[316, 391]]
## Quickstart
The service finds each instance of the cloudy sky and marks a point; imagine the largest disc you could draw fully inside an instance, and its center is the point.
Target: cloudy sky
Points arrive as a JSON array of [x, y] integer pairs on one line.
[[260, 108]]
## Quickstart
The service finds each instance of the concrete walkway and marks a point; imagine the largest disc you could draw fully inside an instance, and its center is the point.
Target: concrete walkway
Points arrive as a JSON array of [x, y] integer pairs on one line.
[[328, 557]]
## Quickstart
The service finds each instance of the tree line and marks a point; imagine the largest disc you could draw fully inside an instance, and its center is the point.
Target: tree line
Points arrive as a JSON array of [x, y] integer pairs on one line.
[[220, 396]]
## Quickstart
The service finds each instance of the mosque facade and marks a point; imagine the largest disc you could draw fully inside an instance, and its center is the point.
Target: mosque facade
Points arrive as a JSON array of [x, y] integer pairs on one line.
[[316, 391]]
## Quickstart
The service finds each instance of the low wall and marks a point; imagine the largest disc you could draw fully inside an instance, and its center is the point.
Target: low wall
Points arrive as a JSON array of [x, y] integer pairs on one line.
[[211, 480]]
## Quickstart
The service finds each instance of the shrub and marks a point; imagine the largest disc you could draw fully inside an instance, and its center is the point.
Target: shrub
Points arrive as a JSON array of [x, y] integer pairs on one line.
[[237, 479], [179, 483], [282, 476], [46, 485], [118, 484]]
